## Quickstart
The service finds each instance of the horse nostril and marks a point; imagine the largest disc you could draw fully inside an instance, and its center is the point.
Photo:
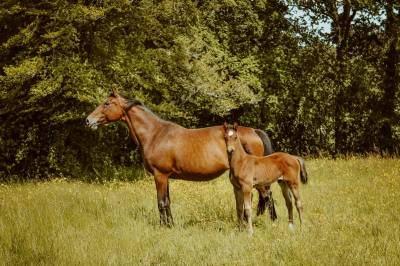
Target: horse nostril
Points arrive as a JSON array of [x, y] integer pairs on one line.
[[87, 121]]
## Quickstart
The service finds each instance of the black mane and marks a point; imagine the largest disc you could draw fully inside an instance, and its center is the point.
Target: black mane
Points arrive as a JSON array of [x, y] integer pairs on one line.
[[132, 102], [129, 102]]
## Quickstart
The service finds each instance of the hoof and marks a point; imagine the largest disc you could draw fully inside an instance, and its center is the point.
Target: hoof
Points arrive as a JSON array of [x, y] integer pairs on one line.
[[291, 227]]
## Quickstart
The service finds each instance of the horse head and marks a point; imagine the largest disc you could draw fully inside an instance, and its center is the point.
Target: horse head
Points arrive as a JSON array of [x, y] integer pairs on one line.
[[113, 109], [231, 136]]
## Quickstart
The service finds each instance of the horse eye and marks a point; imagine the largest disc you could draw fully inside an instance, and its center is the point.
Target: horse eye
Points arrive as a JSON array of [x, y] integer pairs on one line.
[[106, 104]]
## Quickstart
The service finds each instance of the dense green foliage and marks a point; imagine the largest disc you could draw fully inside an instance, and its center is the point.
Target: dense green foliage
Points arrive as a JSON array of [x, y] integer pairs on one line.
[[263, 63], [60, 222]]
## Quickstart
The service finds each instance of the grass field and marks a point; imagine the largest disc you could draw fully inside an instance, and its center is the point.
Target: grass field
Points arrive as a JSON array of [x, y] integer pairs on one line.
[[352, 216]]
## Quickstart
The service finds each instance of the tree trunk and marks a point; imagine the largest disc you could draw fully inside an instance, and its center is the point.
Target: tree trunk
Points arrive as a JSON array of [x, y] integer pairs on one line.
[[390, 80], [341, 27]]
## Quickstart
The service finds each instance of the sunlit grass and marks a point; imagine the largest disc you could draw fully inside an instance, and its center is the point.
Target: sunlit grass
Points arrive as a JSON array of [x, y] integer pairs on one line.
[[352, 216]]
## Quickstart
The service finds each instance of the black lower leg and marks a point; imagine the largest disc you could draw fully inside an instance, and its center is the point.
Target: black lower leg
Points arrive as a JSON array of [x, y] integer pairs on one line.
[[170, 219], [165, 213], [169, 214], [271, 208], [163, 216], [261, 204]]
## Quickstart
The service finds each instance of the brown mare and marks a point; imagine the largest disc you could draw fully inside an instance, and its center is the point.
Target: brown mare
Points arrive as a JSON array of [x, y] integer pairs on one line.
[[172, 151], [248, 171]]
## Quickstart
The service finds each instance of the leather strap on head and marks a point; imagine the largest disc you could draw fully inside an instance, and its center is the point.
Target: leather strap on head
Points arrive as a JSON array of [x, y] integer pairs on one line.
[[129, 122]]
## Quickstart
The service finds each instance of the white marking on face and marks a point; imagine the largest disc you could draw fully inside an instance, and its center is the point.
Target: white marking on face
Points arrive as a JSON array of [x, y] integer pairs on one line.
[[230, 133]]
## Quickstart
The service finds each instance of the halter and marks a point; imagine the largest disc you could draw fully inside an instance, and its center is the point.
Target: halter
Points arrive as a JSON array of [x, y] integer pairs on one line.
[[131, 128]]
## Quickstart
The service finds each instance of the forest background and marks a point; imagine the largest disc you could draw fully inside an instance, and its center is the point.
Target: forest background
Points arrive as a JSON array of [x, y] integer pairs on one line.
[[320, 77]]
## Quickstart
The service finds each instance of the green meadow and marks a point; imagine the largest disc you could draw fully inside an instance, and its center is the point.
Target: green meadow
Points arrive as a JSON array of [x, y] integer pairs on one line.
[[351, 211]]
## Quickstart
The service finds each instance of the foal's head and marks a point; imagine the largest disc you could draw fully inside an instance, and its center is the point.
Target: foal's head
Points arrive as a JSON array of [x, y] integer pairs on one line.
[[231, 137], [109, 111]]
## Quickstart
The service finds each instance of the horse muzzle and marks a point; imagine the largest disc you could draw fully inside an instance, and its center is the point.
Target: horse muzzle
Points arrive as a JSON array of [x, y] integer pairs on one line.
[[92, 123]]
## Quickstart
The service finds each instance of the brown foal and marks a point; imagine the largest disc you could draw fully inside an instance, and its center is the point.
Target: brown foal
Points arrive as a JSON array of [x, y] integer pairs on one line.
[[172, 151], [248, 171]]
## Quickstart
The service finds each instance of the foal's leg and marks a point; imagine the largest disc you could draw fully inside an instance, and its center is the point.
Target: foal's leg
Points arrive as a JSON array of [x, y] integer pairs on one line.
[[239, 205], [288, 200], [238, 198], [247, 208], [163, 199], [296, 194]]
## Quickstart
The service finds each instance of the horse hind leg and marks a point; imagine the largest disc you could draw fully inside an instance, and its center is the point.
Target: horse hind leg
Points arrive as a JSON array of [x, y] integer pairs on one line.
[[299, 205], [288, 200], [265, 199]]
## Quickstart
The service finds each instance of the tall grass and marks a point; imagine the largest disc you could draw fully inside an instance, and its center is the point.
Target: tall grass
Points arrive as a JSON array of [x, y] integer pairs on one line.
[[351, 216]]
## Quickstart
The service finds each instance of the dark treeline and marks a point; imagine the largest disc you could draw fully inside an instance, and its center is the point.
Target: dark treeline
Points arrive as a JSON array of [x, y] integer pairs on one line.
[[321, 77]]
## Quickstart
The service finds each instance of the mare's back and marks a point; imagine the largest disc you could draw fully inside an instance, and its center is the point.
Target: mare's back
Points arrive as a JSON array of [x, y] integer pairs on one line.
[[196, 152], [201, 142]]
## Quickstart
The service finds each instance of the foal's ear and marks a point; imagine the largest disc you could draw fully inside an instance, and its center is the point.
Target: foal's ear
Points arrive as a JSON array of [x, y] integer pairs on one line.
[[113, 92], [225, 126], [235, 126]]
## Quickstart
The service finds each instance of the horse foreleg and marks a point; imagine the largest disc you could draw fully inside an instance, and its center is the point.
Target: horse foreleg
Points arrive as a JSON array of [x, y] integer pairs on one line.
[[288, 200], [163, 199], [239, 206], [169, 214], [247, 209], [262, 200], [271, 206]]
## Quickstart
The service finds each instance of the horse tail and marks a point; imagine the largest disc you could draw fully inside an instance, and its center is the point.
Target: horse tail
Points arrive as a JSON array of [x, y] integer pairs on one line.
[[265, 201], [268, 149], [303, 171]]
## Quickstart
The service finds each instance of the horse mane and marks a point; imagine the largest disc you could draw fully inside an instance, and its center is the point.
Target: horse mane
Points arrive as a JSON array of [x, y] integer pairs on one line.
[[129, 102], [135, 102], [132, 102]]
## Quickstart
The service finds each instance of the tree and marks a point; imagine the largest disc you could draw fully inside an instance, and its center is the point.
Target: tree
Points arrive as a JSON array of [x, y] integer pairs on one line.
[[390, 84]]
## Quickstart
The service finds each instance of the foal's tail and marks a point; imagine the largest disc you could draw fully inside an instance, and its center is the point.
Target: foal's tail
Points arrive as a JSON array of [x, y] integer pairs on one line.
[[303, 171]]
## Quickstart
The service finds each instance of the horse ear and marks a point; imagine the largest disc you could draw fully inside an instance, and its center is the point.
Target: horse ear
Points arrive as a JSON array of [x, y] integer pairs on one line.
[[235, 126], [113, 92]]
